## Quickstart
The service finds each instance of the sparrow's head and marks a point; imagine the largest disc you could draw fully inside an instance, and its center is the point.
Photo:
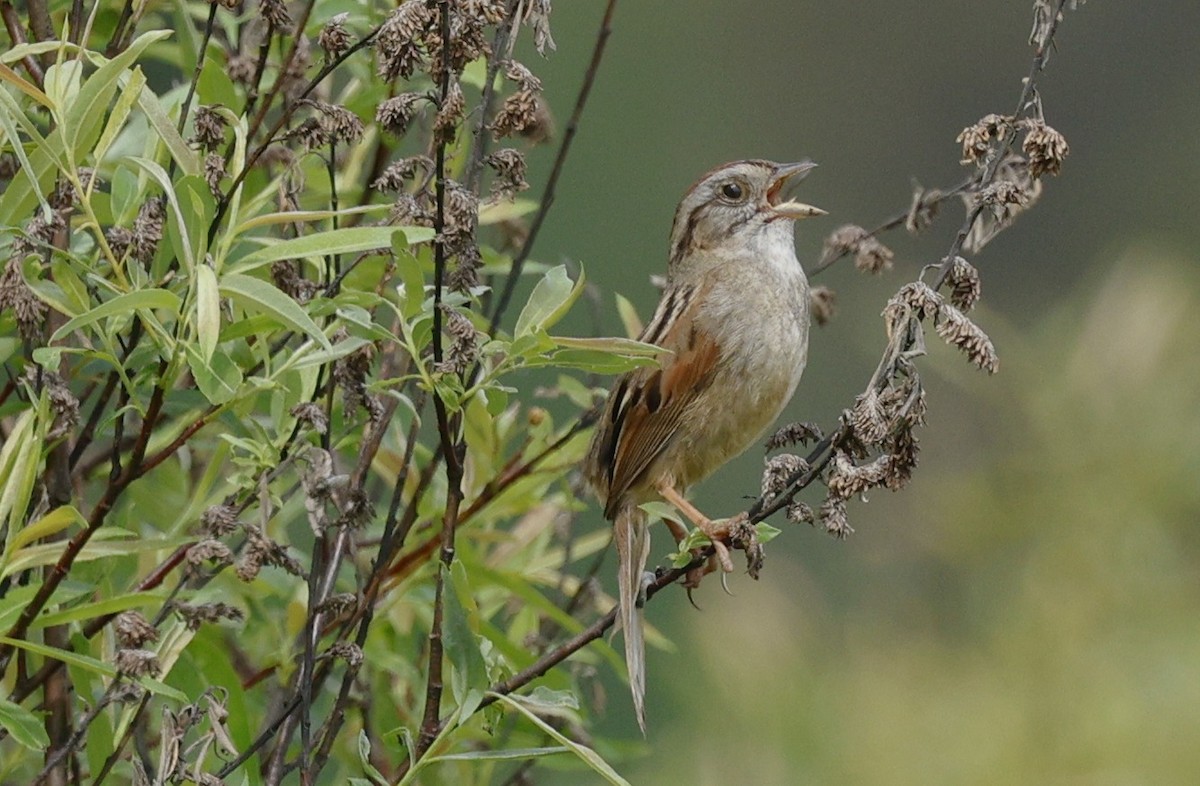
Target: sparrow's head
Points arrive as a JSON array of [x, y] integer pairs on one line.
[[739, 204]]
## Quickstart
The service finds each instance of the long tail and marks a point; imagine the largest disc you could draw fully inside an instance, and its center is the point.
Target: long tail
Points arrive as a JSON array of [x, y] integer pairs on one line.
[[633, 551]]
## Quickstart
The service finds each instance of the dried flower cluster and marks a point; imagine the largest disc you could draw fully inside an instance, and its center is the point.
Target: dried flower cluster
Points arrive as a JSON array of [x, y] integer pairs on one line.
[[870, 256]]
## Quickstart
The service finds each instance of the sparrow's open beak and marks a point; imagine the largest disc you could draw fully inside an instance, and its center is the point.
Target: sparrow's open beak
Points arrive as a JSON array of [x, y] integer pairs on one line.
[[790, 208]]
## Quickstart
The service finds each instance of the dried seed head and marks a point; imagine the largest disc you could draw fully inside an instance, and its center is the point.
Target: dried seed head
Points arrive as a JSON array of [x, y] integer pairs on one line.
[[350, 374], [133, 629], [963, 279], [488, 12], [287, 277], [407, 212], [395, 114], [340, 123], [136, 662], [214, 171], [335, 38], [339, 604], [1045, 147], [210, 550], [398, 42], [795, 434], [195, 615], [465, 275], [276, 14], [262, 551], [868, 419], [208, 128], [241, 68], [467, 42], [959, 331], [461, 213], [398, 172], [148, 229], [1005, 202], [977, 139], [846, 479], [919, 298], [778, 471], [312, 414], [833, 517], [312, 133], [869, 254], [219, 520], [800, 513], [15, 294], [347, 651], [822, 304], [522, 76], [450, 113], [509, 165], [464, 343], [517, 114], [537, 16]]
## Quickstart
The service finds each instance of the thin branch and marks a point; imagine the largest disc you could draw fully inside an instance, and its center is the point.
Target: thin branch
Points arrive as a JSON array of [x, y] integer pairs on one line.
[[564, 148]]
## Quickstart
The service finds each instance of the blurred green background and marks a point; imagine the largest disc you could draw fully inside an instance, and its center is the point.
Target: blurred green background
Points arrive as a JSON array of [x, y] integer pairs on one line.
[[1028, 610]]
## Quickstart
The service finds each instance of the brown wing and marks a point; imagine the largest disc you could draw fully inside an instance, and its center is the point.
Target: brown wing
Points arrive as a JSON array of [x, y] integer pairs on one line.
[[647, 405]]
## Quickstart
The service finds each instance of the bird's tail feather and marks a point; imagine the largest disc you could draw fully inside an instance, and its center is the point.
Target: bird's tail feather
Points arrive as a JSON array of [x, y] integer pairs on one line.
[[632, 537]]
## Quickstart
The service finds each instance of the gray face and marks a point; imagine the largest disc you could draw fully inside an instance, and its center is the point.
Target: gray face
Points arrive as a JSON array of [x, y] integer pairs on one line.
[[728, 203]]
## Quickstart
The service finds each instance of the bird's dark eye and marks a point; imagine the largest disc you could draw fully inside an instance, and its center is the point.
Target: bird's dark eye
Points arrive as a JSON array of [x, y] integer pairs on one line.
[[731, 191]]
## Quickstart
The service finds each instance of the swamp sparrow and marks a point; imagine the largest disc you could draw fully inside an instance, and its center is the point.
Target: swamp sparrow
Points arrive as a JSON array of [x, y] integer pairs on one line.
[[733, 324]]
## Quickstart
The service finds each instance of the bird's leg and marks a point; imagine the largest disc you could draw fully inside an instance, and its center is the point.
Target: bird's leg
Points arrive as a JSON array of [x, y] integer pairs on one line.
[[716, 532]]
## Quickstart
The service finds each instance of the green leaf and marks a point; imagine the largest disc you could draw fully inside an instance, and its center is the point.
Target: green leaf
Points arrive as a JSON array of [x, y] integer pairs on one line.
[[49, 553], [334, 241], [55, 521], [510, 754], [150, 105], [462, 646], [583, 752], [364, 758], [23, 725], [218, 378], [208, 311], [100, 608], [122, 305], [259, 297], [83, 117], [549, 301], [20, 458], [629, 317], [62, 83]]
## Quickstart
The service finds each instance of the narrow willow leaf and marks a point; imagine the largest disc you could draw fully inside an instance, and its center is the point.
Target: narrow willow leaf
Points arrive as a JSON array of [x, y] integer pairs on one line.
[[583, 752], [208, 311], [334, 241], [495, 212], [20, 459], [259, 297], [100, 608], [218, 377], [305, 216], [549, 301], [130, 90], [91, 665], [83, 117], [61, 83], [23, 725], [55, 521], [24, 85], [49, 553], [121, 305], [189, 162], [510, 754]]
